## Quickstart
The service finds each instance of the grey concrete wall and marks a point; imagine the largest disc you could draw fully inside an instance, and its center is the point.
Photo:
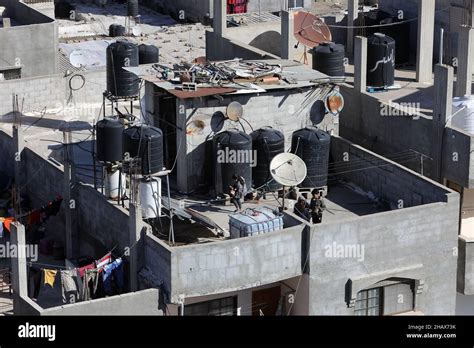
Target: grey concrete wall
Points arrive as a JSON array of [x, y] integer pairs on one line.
[[135, 303], [223, 48], [158, 259], [416, 243], [363, 124], [37, 93], [53, 91], [385, 179], [286, 111], [33, 44], [194, 10], [214, 268], [465, 284], [264, 36]]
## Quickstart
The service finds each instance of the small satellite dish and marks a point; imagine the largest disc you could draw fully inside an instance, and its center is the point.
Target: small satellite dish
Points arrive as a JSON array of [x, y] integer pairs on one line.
[[287, 169], [77, 58], [334, 103], [136, 31], [311, 30], [234, 111]]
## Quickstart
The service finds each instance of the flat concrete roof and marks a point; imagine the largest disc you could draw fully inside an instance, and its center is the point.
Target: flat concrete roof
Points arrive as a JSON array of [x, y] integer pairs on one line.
[[343, 202], [176, 42]]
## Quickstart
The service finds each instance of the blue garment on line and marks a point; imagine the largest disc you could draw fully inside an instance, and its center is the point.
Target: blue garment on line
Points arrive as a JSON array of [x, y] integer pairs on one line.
[[113, 271]]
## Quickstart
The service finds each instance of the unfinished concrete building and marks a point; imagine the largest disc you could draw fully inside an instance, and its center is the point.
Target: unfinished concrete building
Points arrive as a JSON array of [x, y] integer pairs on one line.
[[387, 231]]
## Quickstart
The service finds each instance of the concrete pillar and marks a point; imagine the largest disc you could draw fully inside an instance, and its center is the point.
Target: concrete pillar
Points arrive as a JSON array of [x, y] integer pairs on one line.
[[360, 64], [71, 238], [465, 60], [19, 145], [352, 14], [220, 17], [424, 58], [19, 268], [182, 156], [442, 110], [135, 227], [287, 34]]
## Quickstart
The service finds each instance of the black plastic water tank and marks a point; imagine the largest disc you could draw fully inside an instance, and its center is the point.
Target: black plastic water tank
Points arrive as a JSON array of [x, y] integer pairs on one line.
[[116, 30], [122, 83], [232, 151], [328, 58], [146, 144], [312, 145], [148, 54], [132, 8], [401, 34], [109, 140], [266, 143], [380, 60]]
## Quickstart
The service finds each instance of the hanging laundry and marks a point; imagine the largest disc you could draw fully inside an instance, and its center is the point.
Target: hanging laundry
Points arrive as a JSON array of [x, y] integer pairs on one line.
[[7, 222], [49, 276], [52, 209], [82, 270], [34, 217], [113, 275], [90, 283], [104, 261], [1, 227], [69, 288]]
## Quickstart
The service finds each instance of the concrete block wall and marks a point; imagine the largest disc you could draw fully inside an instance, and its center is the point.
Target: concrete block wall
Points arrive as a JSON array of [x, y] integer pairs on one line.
[[286, 111], [363, 124], [158, 259], [53, 91], [465, 284], [135, 303], [416, 243], [220, 267], [33, 44], [224, 48], [36, 92], [264, 36], [385, 179]]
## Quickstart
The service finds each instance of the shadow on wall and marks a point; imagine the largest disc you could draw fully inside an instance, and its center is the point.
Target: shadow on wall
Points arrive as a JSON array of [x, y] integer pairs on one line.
[[268, 41]]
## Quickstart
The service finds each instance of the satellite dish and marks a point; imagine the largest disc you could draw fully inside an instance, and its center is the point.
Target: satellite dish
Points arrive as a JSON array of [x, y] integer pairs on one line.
[[77, 58], [136, 31], [234, 111], [311, 30], [288, 169]]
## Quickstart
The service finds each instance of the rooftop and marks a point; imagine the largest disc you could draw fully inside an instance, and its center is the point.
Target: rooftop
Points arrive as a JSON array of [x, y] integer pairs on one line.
[[175, 41]]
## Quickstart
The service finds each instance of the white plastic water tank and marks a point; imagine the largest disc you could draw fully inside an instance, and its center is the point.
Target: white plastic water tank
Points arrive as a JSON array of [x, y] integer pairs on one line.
[[150, 198], [112, 179], [464, 119]]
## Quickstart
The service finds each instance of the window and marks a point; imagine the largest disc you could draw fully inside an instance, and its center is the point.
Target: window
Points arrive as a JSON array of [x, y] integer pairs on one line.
[[221, 307], [368, 302]]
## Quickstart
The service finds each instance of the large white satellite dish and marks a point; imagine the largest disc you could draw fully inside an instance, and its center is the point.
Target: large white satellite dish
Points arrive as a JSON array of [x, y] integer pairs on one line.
[[288, 169], [77, 58]]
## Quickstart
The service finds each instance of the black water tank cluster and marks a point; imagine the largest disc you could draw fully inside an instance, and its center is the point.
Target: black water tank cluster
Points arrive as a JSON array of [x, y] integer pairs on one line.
[[116, 30], [380, 60], [312, 145], [230, 142], [266, 143], [132, 8], [145, 143], [328, 58], [148, 54], [122, 83], [109, 140]]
